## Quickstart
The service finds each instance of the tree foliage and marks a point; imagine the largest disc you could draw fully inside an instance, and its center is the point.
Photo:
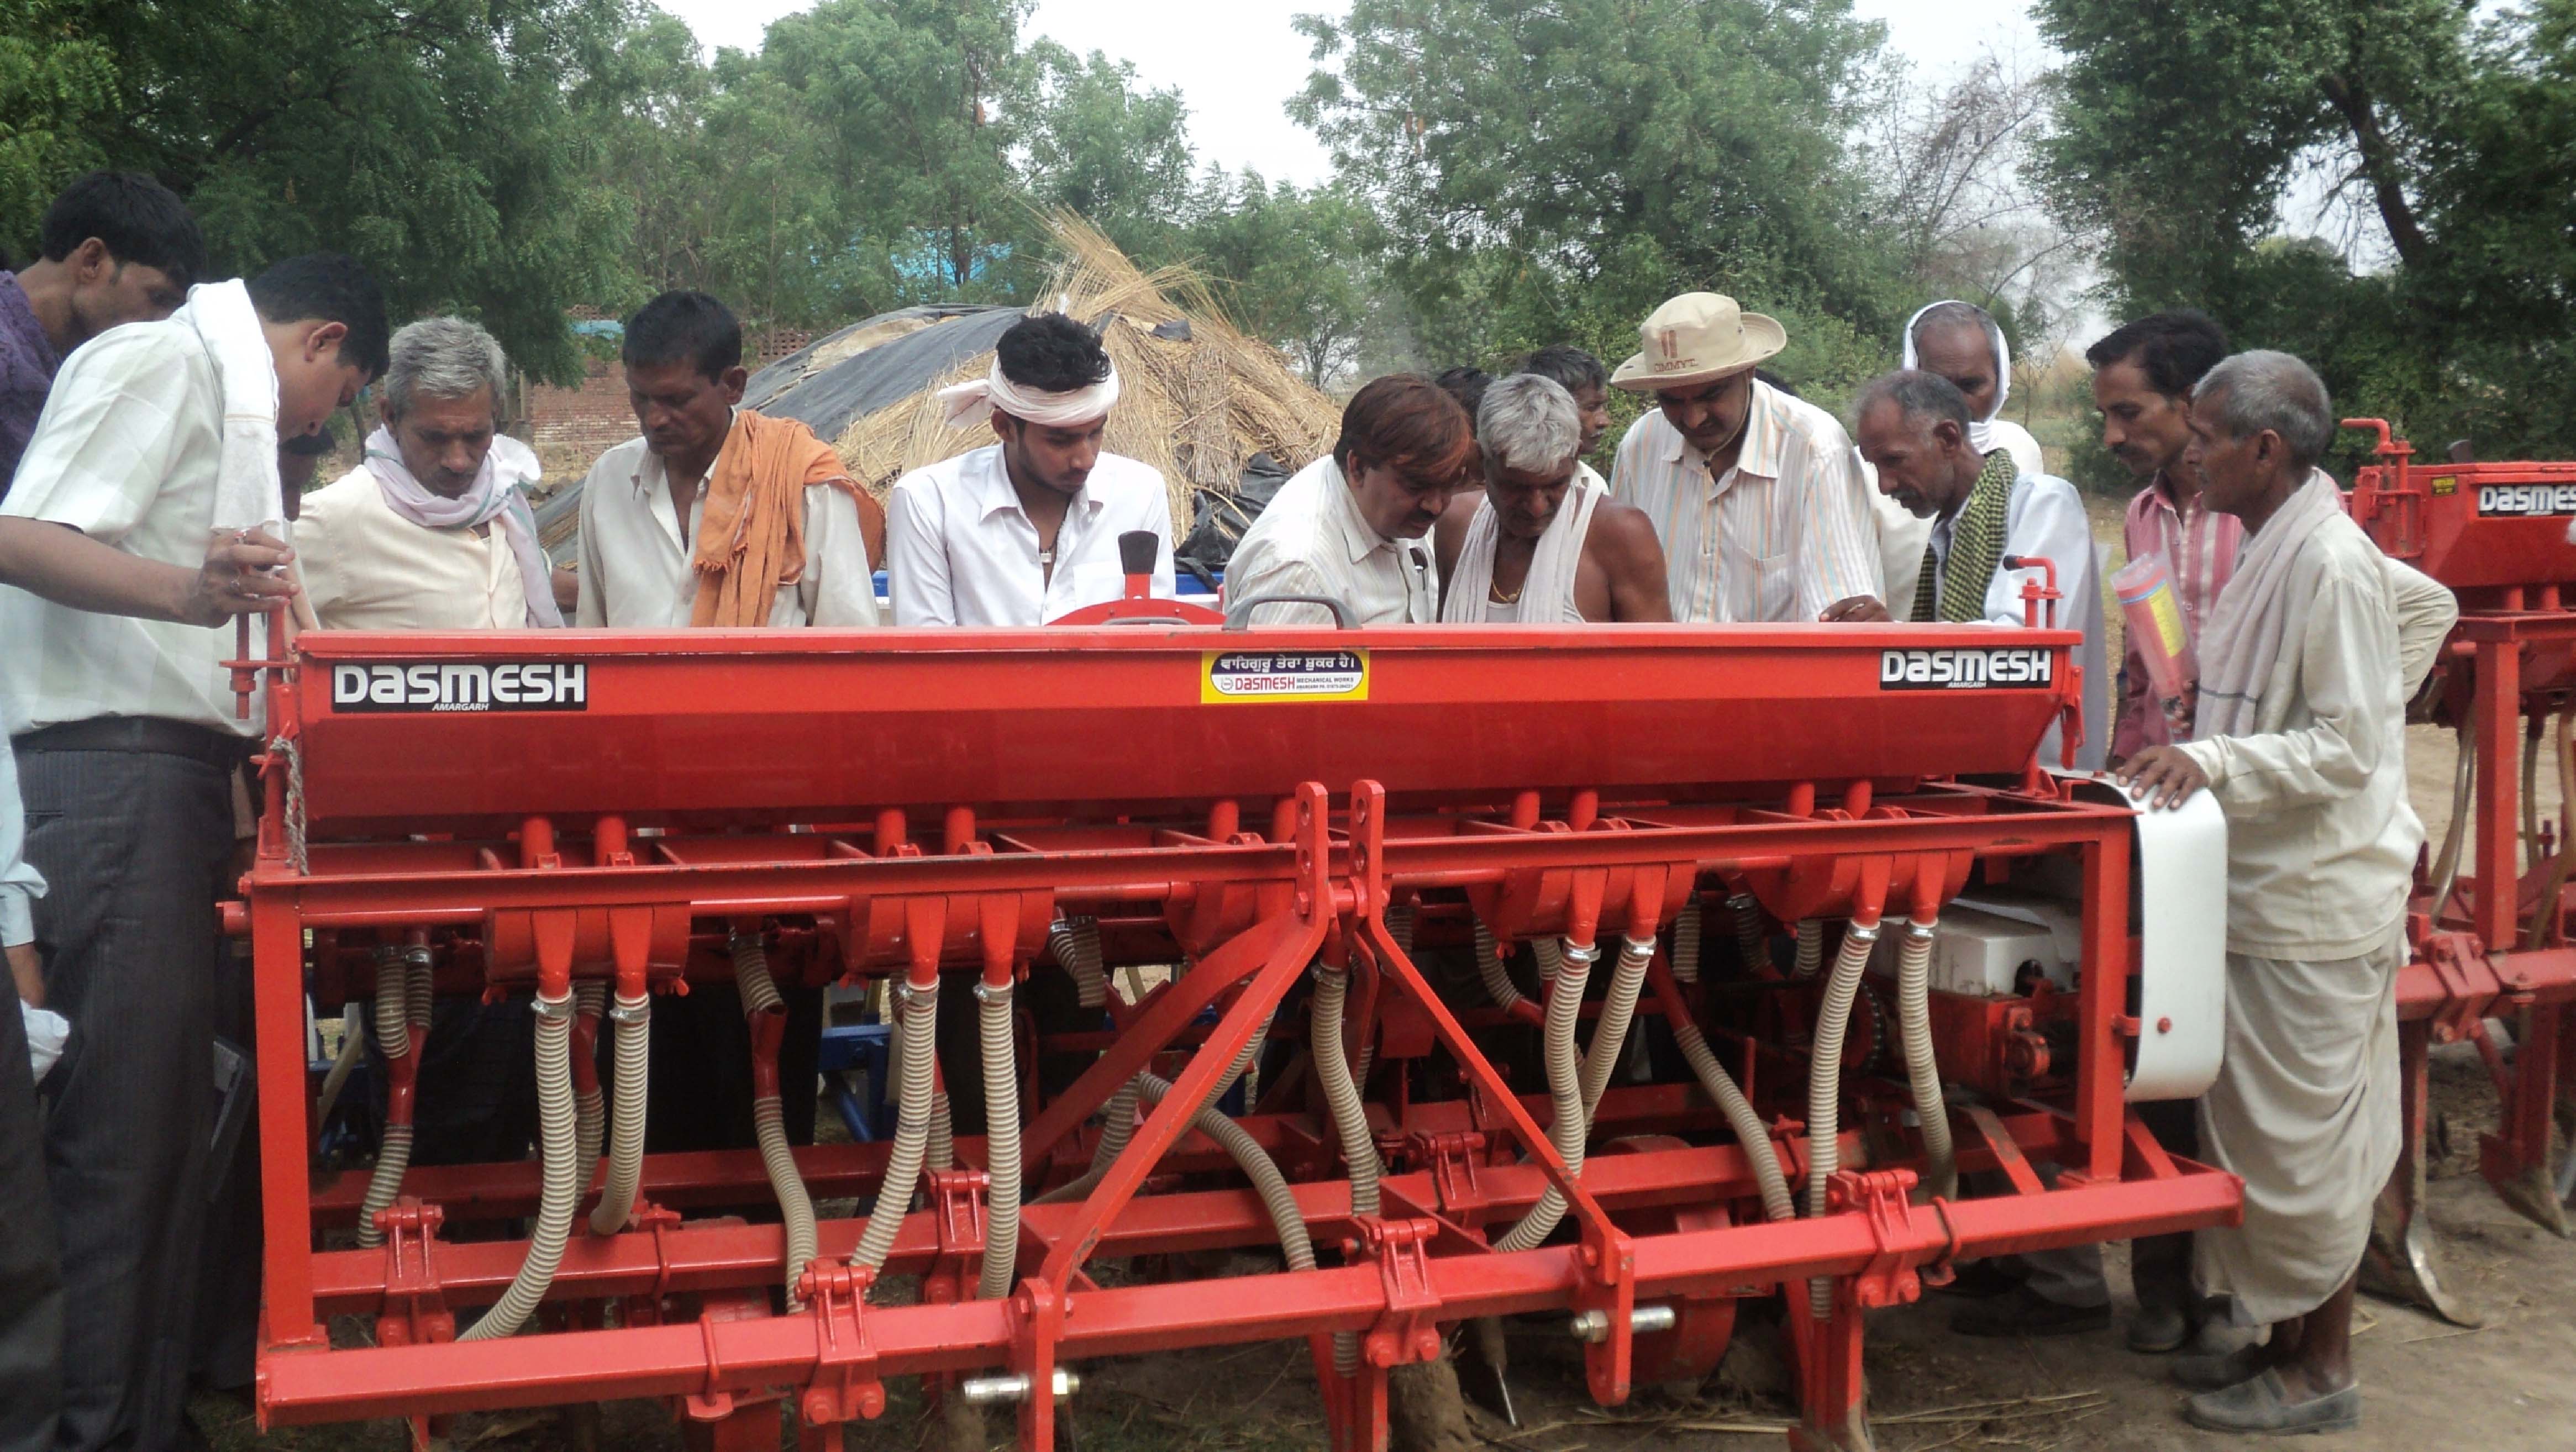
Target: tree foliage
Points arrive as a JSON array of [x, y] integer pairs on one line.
[[434, 140], [2204, 140], [1551, 169]]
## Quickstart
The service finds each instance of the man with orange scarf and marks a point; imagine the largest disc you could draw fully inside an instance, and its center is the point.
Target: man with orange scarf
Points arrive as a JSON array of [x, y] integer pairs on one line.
[[718, 516]]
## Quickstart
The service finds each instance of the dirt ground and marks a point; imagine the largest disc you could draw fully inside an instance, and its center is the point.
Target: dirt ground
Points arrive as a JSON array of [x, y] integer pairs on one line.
[[2504, 1386]]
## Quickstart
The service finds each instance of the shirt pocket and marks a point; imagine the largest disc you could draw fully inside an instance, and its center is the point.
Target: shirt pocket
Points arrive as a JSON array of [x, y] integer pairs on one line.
[[1093, 582], [1766, 584]]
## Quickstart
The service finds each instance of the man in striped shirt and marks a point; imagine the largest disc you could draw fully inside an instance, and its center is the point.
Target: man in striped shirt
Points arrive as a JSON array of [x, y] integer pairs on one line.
[[2143, 375], [1755, 494]]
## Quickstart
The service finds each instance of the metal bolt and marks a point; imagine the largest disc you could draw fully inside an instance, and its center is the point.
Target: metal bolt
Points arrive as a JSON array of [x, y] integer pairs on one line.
[[1014, 1387], [1594, 1325]]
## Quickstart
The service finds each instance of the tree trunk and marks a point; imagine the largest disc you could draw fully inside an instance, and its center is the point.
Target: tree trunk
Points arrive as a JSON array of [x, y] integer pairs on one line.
[[2378, 167]]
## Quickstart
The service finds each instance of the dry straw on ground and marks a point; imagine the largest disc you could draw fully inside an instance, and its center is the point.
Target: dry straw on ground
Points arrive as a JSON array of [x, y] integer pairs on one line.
[[1195, 407]]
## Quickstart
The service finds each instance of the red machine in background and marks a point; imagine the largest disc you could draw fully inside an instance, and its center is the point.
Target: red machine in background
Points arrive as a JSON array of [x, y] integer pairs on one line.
[[2490, 927], [1310, 826]]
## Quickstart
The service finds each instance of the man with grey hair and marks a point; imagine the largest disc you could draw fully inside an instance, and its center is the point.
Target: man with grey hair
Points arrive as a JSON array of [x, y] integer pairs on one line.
[[1544, 543], [432, 530], [2299, 730], [1916, 430]]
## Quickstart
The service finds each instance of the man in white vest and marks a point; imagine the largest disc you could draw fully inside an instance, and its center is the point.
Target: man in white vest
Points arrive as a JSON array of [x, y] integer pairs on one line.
[[1544, 543]]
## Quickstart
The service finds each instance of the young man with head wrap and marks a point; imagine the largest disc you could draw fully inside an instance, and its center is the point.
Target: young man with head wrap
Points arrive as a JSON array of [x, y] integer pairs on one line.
[[1026, 529]]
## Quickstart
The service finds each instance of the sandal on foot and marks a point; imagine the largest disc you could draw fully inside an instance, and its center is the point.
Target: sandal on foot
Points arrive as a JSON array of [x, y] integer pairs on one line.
[[2209, 1371], [2262, 1404]]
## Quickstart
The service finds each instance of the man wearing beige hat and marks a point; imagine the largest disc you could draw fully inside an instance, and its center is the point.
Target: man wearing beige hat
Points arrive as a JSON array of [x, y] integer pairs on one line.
[[1755, 494]]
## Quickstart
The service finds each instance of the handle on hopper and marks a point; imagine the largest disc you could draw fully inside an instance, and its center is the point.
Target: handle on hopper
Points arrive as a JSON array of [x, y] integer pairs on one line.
[[1137, 550], [2034, 592], [1238, 616]]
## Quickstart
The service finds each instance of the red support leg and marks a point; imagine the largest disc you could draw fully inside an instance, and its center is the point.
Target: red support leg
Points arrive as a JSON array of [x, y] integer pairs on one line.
[[2517, 1160], [277, 974], [2400, 1263], [1833, 1396]]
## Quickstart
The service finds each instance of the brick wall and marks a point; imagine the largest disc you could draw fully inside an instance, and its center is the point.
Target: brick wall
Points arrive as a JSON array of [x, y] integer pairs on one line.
[[588, 420], [585, 421]]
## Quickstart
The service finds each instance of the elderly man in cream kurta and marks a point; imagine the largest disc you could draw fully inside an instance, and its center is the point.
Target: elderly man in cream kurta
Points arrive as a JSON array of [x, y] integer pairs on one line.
[[2305, 670], [431, 531]]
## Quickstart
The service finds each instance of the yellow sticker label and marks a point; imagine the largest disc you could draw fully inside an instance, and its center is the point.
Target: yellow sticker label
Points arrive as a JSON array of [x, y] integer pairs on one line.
[[2446, 484], [1283, 675]]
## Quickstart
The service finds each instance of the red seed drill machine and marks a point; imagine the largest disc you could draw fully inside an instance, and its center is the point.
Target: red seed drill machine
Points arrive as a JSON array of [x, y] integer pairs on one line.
[[2489, 926], [1815, 979]]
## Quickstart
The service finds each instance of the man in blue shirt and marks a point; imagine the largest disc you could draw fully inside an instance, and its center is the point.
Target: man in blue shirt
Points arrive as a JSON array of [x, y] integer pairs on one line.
[[117, 247]]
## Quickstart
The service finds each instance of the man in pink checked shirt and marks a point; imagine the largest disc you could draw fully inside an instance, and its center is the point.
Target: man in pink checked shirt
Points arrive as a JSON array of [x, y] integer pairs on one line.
[[2143, 375]]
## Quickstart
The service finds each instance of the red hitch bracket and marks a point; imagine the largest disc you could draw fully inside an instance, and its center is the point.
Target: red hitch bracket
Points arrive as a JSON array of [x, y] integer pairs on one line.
[[845, 1386], [1404, 1332], [415, 1310], [1451, 1156], [1882, 1197], [957, 1205]]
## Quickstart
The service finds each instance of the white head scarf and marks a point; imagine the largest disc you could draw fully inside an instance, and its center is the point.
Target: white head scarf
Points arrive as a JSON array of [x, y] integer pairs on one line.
[[969, 404], [1981, 432]]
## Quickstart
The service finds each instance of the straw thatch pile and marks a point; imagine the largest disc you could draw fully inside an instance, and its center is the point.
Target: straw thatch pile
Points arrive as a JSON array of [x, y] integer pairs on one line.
[[1197, 398]]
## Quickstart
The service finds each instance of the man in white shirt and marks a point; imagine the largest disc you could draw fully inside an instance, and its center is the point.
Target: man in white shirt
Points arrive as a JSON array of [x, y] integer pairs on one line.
[[1755, 494], [1544, 544], [716, 515], [431, 531], [719, 516], [1913, 429], [1349, 527], [122, 716], [1025, 530], [2300, 733]]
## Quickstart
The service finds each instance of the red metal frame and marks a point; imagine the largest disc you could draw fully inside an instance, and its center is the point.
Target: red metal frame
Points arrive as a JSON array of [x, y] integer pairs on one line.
[[2497, 534], [541, 864]]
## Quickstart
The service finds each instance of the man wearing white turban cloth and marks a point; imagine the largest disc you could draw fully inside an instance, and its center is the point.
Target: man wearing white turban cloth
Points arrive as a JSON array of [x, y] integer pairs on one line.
[[1962, 343], [1025, 530]]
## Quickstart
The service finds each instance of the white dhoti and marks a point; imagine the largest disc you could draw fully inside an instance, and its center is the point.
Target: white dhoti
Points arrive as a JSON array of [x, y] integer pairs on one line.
[[2305, 1111]]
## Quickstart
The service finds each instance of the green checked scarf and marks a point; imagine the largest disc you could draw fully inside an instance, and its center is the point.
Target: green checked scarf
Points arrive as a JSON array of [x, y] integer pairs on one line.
[[1976, 545]]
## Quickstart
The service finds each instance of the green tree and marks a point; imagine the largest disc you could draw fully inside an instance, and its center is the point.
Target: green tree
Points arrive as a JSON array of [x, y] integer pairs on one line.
[[57, 85], [916, 98], [1550, 169], [1095, 145], [2191, 136], [432, 139], [1294, 268]]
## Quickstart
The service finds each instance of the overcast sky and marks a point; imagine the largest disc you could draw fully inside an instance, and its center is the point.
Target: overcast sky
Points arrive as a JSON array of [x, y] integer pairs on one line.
[[1236, 62]]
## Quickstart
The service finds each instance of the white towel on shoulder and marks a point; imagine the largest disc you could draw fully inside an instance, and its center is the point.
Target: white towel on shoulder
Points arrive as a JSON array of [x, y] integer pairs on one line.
[[1547, 591], [2243, 640], [248, 494]]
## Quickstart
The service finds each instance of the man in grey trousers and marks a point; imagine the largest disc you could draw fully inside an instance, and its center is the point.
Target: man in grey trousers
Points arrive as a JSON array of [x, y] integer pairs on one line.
[[121, 713]]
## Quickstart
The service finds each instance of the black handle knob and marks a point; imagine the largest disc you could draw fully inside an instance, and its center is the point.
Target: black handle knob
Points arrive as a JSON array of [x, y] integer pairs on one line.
[[1137, 551]]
